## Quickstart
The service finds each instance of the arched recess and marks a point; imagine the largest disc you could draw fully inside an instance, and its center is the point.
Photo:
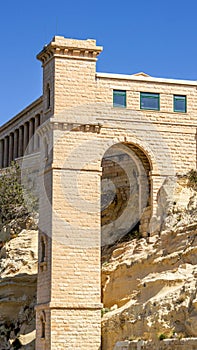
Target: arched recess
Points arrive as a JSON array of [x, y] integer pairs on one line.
[[125, 192], [42, 325], [46, 149], [48, 96]]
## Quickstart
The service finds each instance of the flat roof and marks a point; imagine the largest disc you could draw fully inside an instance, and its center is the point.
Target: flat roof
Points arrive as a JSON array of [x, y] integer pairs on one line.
[[134, 77]]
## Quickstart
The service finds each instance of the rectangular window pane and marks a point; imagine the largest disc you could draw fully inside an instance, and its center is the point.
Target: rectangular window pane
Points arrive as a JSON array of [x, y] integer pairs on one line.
[[119, 98], [179, 103], [149, 101]]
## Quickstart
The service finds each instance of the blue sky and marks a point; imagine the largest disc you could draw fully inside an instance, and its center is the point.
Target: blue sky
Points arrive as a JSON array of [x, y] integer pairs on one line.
[[157, 37]]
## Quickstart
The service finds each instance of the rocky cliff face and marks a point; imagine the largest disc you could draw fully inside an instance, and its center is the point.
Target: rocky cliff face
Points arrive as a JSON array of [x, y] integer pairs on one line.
[[18, 277], [149, 285]]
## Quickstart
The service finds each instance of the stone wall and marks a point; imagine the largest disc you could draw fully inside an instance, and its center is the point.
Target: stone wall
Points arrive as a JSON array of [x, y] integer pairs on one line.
[[78, 125]]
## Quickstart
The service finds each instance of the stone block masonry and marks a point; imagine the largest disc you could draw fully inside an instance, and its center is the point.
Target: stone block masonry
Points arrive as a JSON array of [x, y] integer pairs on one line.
[[69, 129]]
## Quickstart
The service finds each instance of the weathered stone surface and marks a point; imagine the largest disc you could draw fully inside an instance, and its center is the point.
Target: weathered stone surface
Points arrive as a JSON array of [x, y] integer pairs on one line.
[[18, 282], [149, 286], [71, 156], [123, 180]]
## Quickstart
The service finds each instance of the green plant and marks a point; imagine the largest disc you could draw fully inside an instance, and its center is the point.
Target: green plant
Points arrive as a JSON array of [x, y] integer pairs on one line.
[[12, 200], [104, 310], [162, 336]]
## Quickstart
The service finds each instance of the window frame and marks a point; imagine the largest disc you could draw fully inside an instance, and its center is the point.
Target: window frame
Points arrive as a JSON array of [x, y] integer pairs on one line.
[[177, 97], [148, 94], [117, 92]]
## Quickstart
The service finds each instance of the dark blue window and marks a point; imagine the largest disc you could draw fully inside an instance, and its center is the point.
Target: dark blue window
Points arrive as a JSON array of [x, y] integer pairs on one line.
[[180, 103], [119, 98], [149, 101]]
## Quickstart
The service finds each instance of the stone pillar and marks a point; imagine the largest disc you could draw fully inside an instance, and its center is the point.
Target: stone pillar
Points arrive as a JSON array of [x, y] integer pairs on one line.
[[20, 141], [36, 137], [72, 264], [31, 135], [1, 153], [68, 288], [156, 183], [6, 148], [16, 137], [26, 139], [11, 148]]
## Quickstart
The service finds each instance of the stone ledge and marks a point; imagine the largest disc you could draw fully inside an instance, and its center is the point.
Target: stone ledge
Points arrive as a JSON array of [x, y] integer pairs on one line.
[[69, 306]]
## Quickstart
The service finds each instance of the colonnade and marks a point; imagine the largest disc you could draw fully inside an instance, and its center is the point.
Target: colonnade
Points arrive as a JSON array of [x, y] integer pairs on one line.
[[19, 142]]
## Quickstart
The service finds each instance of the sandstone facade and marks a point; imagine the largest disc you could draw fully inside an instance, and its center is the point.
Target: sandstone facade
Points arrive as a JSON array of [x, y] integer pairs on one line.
[[66, 134]]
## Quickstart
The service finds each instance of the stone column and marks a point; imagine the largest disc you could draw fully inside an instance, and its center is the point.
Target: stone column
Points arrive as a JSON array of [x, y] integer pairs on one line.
[[20, 141], [1, 153], [156, 183], [36, 137], [81, 280], [26, 139], [6, 145], [16, 143], [11, 145], [31, 135]]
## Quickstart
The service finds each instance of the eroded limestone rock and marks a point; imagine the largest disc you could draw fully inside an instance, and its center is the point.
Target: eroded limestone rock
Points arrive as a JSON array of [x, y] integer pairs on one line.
[[18, 282], [150, 286]]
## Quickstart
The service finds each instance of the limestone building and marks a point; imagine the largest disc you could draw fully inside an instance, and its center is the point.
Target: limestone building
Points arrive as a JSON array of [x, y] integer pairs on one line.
[[103, 144]]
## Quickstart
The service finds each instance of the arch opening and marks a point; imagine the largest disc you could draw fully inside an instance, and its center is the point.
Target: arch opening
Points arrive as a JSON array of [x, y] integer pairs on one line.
[[43, 250], [43, 325], [48, 94], [125, 193]]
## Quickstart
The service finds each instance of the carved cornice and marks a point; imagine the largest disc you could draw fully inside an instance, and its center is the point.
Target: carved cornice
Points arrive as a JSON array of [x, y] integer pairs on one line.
[[69, 48], [94, 128], [55, 125]]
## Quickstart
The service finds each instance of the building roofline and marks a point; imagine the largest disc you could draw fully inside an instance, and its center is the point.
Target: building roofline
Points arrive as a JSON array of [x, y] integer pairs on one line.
[[20, 114], [146, 79], [105, 76]]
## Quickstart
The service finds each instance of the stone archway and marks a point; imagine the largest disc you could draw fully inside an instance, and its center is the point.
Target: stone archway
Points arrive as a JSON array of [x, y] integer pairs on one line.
[[69, 287], [125, 192]]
